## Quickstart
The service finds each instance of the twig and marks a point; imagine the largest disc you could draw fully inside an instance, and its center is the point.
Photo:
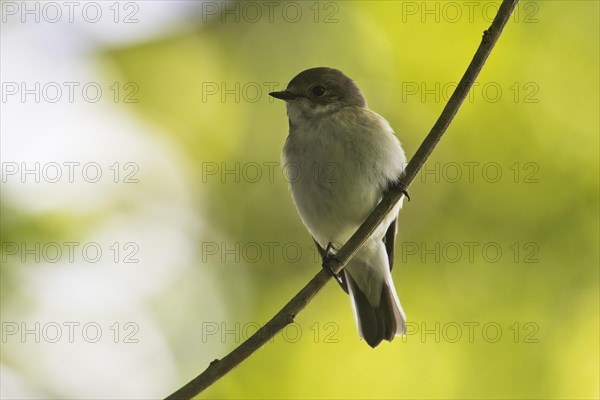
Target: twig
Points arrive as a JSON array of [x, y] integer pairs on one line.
[[286, 315]]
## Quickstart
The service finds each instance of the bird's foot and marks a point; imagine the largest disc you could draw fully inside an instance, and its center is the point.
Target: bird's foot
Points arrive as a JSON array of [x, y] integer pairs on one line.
[[330, 259], [405, 192]]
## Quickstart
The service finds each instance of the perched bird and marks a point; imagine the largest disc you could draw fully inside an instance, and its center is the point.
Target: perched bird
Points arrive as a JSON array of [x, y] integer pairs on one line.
[[345, 156]]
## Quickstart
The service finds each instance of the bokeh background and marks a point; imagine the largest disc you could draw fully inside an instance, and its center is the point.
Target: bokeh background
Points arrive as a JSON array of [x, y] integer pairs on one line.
[[128, 283]]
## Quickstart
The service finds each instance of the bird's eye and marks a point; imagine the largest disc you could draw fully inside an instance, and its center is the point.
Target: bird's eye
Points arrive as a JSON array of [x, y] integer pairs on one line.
[[318, 91]]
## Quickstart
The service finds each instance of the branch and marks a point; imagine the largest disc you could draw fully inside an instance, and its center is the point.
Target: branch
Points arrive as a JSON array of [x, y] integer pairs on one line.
[[286, 315]]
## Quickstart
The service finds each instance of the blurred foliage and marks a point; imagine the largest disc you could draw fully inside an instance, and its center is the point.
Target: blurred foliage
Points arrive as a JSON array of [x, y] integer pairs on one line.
[[543, 127], [557, 133]]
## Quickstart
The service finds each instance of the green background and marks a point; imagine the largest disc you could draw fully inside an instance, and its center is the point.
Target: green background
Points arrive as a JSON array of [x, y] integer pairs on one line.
[[532, 118]]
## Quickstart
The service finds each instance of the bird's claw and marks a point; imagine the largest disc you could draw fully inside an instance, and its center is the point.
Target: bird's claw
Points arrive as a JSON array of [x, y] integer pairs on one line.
[[405, 192], [327, 261]]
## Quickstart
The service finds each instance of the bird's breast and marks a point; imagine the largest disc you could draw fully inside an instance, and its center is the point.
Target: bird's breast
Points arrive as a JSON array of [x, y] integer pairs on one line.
[[337, 169]]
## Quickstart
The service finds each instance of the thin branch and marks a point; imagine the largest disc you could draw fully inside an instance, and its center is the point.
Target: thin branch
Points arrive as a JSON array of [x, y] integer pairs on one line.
[[286, 315]]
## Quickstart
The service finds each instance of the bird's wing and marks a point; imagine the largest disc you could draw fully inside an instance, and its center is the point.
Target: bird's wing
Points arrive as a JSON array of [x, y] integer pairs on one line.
[[389, 239]]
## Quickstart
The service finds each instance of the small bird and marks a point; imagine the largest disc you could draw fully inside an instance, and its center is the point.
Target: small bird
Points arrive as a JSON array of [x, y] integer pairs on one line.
[[345, 156]]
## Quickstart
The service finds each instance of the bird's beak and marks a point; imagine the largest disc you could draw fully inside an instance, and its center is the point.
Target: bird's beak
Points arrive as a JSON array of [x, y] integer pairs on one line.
[[284, 95]]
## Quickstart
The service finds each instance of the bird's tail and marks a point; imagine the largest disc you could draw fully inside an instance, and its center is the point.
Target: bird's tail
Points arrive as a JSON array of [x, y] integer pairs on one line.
[[383, 320]]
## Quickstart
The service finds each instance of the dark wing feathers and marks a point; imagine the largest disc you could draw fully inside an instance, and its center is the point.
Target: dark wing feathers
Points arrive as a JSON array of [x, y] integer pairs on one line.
[[389, 239]]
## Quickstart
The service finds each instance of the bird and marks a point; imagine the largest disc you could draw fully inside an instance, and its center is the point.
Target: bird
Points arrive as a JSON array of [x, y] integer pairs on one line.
[[346, 157]]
